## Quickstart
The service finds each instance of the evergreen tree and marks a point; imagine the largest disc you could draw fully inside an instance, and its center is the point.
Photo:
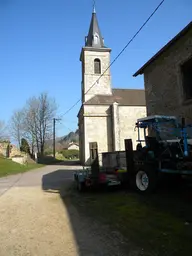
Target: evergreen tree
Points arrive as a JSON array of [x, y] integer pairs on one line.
[[25, 146]]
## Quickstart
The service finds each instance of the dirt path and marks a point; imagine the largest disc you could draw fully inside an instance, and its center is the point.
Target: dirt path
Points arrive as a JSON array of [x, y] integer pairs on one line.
[[35, 221]]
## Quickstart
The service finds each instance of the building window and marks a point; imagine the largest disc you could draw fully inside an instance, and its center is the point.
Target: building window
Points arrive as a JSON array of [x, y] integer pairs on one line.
[[97, 66], [186, 70]]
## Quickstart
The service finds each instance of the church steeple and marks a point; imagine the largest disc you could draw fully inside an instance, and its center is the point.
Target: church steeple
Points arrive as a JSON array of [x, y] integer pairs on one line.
[[94, 38], [95, 57]]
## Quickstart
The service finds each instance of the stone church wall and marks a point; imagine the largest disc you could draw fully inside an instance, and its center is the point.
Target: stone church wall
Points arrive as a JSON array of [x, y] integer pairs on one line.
[[81, 140], [128, 116], [98, 128]]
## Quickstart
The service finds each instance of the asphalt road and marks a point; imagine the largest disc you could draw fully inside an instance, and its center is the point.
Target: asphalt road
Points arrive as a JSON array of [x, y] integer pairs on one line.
[[36, 221], [35, 178]]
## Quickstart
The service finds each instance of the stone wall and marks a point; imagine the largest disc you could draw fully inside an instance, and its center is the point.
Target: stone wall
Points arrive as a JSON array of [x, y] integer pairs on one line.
[[98, 128], [89, 78], [163, 81], [128, 116], [81, 136], [4, 149], [20, 160], [11, 151], [15, 152]]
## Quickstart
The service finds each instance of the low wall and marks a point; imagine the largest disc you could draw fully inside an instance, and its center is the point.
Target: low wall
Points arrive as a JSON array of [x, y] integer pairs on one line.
[[20, 159]]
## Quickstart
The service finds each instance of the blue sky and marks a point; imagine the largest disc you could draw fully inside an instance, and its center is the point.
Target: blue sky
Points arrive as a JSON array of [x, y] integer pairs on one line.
[[41, 42]]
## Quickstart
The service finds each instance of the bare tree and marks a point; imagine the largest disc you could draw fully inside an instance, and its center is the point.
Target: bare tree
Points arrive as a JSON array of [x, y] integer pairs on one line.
[[17, 126], [38, 121], [3, 131]]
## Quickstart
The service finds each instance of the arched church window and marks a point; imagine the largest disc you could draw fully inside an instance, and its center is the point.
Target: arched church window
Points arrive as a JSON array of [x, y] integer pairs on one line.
[[97, 66]]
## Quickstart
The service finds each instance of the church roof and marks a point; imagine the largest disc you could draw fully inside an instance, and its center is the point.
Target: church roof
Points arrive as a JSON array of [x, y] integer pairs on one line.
[[94, 38], [125, 97]]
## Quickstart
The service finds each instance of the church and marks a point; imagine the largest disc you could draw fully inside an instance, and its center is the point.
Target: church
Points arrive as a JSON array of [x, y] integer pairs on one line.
[[107, 116]]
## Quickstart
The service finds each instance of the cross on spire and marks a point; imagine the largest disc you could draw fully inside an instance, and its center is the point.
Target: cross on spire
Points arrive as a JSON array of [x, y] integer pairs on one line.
[[94, 9]]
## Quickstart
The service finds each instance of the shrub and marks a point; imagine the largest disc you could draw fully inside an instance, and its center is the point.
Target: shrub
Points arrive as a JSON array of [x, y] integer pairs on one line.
[[70, 154], [59, 156], [48, 152]]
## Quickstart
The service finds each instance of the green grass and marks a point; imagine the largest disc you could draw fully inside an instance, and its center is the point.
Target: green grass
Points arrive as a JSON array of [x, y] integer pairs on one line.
[[8, 167], [156, 224]]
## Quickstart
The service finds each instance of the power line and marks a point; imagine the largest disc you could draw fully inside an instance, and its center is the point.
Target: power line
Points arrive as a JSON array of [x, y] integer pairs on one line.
[[54, 123], [125, 47], [68, 128]]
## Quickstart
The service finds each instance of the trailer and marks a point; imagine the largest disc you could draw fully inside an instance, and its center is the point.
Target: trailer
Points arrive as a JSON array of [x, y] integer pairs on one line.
[[116, 162], [95, 177]]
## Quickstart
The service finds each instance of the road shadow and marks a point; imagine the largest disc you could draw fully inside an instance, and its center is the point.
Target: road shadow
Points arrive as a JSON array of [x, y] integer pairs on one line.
[[54, 181], [49, 160], [70, 163], [87, 232]]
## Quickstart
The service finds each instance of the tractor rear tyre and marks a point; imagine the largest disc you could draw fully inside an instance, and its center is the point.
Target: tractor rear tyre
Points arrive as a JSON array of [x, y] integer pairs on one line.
[[145, 180]]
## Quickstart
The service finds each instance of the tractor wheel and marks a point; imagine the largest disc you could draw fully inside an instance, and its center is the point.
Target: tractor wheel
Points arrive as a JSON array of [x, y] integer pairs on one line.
[[145, 181]]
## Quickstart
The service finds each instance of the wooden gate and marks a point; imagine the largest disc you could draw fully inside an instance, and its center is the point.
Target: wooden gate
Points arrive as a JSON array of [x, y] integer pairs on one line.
[[93, 148], [94, 158]]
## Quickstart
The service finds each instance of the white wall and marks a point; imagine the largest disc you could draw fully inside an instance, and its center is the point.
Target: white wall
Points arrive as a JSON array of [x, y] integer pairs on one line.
[[98, 128], [128, 116], [73, 146]]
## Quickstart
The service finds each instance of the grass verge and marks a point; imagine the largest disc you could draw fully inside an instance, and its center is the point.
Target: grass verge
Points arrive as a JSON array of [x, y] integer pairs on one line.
[[8, 167], [158, 224]]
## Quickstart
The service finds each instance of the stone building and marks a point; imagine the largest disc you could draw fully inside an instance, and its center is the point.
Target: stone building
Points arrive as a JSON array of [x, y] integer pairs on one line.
[[168, 78], [9, 150], [5, 148], [107, 116]]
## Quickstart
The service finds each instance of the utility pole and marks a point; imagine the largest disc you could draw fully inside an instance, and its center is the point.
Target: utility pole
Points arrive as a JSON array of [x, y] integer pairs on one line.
[[54, 122]]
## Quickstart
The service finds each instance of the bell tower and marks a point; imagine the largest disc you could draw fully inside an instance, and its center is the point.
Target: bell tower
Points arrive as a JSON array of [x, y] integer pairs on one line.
[[95, 59]]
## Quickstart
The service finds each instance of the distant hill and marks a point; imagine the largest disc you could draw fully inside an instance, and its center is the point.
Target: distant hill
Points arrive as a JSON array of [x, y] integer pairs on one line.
[[63, 142], [71, 137]]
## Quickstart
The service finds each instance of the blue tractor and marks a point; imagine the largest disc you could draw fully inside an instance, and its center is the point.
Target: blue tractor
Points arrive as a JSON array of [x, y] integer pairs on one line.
[[164, 147]]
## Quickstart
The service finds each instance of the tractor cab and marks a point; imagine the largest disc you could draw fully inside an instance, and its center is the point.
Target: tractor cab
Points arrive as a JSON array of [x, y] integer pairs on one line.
[[163, 132], [160, 128]]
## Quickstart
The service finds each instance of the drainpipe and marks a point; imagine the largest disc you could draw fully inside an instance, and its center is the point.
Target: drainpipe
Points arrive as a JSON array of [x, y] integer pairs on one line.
[[116, 131]]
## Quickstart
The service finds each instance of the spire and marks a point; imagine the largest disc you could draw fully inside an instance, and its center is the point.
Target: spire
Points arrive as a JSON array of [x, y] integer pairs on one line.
[[94, 38]]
